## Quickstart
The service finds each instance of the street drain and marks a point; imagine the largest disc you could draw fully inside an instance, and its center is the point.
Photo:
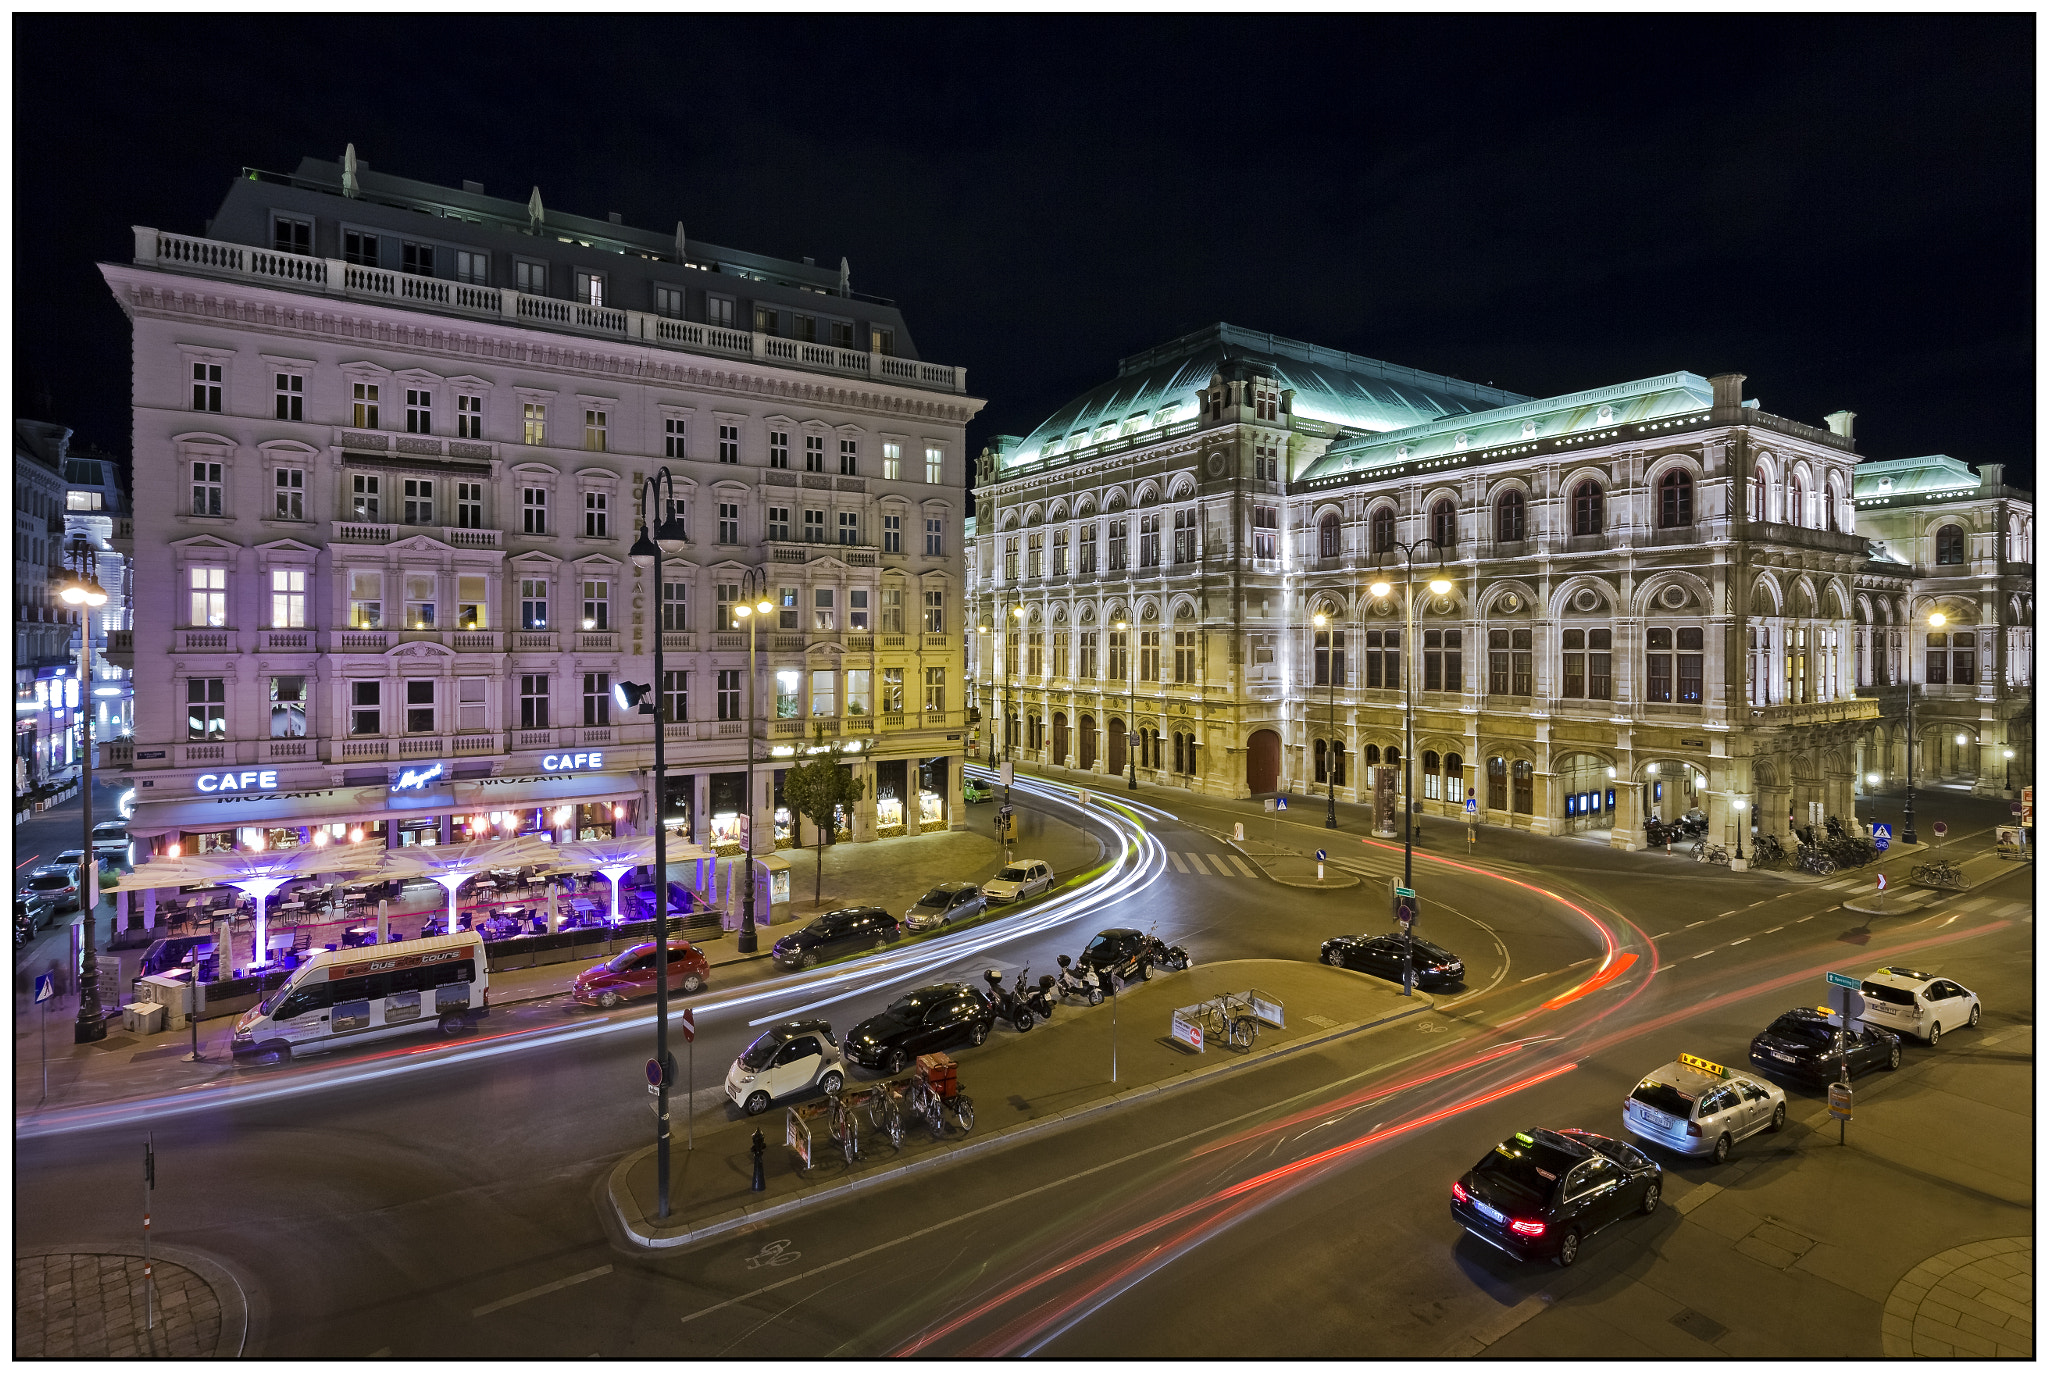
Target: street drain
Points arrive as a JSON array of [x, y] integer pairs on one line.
[[1704, 1328]]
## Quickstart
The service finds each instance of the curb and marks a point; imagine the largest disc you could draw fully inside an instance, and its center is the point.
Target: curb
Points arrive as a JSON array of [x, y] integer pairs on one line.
[[227, 1288], [644, 1234]]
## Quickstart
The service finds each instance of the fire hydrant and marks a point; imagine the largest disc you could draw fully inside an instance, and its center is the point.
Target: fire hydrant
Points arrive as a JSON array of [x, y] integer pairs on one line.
[[759, 1148]]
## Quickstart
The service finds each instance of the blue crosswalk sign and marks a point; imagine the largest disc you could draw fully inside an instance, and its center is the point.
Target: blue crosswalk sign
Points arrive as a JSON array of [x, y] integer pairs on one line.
[[46, 987], [1881, 837], [1471, 805]]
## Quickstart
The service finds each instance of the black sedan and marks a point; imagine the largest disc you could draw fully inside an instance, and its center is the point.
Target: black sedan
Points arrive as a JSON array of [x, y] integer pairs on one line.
[[1543, 1193], [925, 1020], [835, 933], [1129, 954], [1806, 1043], [1382, 956]]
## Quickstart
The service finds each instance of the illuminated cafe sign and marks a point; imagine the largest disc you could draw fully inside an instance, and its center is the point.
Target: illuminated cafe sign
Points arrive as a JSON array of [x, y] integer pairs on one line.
[[265, 780], [571, 762], [416, 779]]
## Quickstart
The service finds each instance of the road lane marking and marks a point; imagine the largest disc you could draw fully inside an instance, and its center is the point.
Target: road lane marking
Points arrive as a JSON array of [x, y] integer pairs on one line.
[[1659, 936], [1774, 929], [1174, 859], [1665, 969], [1743, 940], [1752, 905], [1533, 976], [541, 1291], [1580, 964], [1952, 920], [1702, 955], [1695, 924], [1249, 870], [1800, 921], [26, 861], [1195, 862]]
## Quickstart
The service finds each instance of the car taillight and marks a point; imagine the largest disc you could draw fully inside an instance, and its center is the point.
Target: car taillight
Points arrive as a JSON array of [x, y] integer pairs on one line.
[[1692, 1127], [1458, 1191], [1526, 1227]]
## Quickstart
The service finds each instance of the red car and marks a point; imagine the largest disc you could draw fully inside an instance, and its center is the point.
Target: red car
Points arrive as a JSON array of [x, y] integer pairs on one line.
[[631, 974]]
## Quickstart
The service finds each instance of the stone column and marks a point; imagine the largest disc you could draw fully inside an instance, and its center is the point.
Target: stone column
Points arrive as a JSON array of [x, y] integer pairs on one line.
[[1771, 805], [1628, 815], [764, 809], [956, 809], [864, 809]]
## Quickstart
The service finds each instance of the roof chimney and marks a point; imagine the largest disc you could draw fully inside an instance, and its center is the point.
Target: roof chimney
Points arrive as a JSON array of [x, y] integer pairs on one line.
[[1991, 474], [1843, 422], [1727, 390]]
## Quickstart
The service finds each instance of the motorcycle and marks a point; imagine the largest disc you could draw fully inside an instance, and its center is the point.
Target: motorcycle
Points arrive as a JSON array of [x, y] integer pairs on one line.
[[1171, 957], [1009, 1005], [1089, 985], [1041, 997]]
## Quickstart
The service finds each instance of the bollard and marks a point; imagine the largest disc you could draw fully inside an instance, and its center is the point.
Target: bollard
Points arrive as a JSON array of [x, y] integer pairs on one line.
[[759, 1148]]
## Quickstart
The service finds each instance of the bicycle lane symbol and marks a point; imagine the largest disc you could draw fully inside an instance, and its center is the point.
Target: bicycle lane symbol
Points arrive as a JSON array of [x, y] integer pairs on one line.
[[774, 1255]]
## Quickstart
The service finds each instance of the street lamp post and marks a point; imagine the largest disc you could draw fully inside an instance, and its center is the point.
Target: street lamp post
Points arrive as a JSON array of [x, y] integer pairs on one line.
[[1330, 672], [1124, 627], [1381, 588], [82, 589], [752, 612], [1016, 628], [1907, 834]]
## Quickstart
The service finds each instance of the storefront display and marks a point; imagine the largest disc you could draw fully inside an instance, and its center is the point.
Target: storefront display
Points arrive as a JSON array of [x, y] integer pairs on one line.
[[785, 830], [931, 809], [888, 817], [728, 833]]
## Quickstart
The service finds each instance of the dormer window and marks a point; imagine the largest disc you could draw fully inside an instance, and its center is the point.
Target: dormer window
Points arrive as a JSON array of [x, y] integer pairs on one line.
[[1884, 485]]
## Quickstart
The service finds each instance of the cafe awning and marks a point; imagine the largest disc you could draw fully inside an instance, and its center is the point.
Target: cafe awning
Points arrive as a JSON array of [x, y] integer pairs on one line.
[[338, 805]]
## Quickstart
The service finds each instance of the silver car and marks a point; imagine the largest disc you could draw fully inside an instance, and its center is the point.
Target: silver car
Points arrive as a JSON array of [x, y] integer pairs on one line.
[[1025, 877], [1701, 1108], [947, 902]]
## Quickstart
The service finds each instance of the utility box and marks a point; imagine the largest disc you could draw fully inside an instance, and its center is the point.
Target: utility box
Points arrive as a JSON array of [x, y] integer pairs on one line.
[[173, 992]]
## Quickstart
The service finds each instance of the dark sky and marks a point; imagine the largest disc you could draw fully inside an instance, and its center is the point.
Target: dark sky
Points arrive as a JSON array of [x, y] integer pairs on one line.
[[1840, 207]]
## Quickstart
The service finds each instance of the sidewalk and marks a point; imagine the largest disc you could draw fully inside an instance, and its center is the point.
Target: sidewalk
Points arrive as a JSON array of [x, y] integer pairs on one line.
[[92, 1305], [1020, 1084]]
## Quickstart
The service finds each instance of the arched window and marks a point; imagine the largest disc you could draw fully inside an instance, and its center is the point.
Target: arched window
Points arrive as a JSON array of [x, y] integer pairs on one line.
[[1454, 778], [1443, 524], [1795, 502], [1950, 547], [1759, 498], [1337, 762], [1432, 779], [1510, 517], [1383, 529], [1674, 505], [1525, 787], [1588, 508], [1496, 784], [1331, 537]]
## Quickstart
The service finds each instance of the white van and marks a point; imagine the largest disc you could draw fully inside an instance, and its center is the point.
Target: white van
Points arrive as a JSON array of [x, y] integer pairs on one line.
[[354, 996]]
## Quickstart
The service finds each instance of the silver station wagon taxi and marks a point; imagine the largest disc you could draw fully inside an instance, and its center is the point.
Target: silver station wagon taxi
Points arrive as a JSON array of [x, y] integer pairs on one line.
[[1697, 1107]]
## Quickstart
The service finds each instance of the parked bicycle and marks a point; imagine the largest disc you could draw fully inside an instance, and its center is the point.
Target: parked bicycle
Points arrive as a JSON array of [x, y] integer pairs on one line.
[[1940, 873], [1769, 850], [1707, 851], [1229, 1019], [1815, 861]]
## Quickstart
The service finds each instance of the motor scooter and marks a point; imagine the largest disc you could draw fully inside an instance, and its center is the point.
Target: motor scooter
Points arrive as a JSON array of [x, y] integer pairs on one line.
[[1089, 985], [1009, 1005], [1040, 997]]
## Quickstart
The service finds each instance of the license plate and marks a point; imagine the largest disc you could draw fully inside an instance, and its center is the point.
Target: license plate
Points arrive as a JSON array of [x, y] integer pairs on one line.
[[1487, 1211]]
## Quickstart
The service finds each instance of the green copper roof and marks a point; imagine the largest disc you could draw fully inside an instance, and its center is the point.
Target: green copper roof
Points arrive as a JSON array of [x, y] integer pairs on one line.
[[1634, 402], [1937, 472], [1160, 386]]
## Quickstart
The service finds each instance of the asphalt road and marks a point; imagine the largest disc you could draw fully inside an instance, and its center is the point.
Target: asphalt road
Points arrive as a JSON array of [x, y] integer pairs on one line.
[[447, 1204]]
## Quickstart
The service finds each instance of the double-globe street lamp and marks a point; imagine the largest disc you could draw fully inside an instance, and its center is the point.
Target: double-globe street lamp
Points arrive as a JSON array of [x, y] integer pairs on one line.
[[1907, 833], [1124, 628], [753, 584], [1381, 588], [1327, 626], [82, 589]]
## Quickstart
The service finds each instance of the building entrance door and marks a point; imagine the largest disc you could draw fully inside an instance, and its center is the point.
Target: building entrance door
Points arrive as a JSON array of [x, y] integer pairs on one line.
[[1262, 762]]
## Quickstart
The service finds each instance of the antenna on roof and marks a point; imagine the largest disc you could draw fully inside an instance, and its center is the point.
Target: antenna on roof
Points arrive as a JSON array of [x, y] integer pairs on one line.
[[845, 278], [535, 215], [349, 184], [682, 244]]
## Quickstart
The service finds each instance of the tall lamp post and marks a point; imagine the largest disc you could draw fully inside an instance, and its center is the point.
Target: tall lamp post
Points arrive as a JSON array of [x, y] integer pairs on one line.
[[1123, 627], [1381, 588], [753, 612], [82, 589], [1016, 632], [1907, 834], [1330, 673]]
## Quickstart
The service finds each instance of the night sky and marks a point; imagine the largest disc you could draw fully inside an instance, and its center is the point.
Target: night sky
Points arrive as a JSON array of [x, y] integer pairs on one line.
[[1842, 208]]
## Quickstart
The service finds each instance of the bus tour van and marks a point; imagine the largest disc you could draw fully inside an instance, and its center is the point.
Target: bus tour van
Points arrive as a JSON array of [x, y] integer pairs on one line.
[[355, 996]]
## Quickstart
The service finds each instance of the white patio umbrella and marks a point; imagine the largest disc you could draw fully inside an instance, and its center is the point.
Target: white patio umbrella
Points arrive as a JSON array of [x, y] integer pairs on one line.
[[451, 865], [615, 858], [259, 872]]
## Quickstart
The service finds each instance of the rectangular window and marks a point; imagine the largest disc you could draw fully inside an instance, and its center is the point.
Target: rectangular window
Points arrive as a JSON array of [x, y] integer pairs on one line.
[[1148, 655], [1266, 531], [365, 497], [824, 693], [1963, 661], [1657, 643], [1573, 644], [597, 698], [84, 500], [892, 461], [728, 688], [778, 448], [778, 522], [892, 533], [1087, 672], [287, 598], [934, 538], [419, 411], [673, 432], [472, 268], [935, 611], [1443, 660], [668, 300], [849, 457], [804, 328], [469, 505], [289, 234], [1183, 656], [419, 500], [596, 515], [814, 526], [287, 707], [729, 522], [1059, 553], [767, 320], [935, 466], [1061, 652], [533, 503], [728, 597], [849, 527], [590, 288], [1148, 540], [365, 712], [857, 608], [365, 599], [675, 607], [534, 419], [533, 603], [675, 695], [597, 605], [290, 484], [596, 430], [416, 259], [1119, 545], [1087, 548], [842, 333], [1183, 536], [788, 683], [825, 614], [471, 703], [358, 248], [892, 691], [472, 602], [860, 695], [728, 443], [882, 341], [533, 700], [469, 417], [1119, 655], [363, 404], [1691, 665], [209, 488], [206, 708], [892, 610], [209, 597], [718, 311], [1034, 653], [814, 452], [1524, 664], [1034, 555], [291, 396], [420, 606], [935, 691]]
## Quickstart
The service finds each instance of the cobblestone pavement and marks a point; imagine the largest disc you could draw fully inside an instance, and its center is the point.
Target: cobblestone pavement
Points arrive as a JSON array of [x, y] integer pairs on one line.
[[1976, 1301], [91, 1306]]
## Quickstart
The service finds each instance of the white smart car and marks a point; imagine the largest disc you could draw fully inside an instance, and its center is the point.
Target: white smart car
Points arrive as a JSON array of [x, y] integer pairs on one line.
[[1918, 1004], [1025, 877], [791, 1058]]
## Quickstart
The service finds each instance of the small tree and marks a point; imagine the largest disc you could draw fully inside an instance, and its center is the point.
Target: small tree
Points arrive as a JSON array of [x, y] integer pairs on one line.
[[817, 790]]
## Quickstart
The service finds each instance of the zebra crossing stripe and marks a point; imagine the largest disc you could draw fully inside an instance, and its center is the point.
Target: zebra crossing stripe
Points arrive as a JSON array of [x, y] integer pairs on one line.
[[1174, 859], [1249, 870]]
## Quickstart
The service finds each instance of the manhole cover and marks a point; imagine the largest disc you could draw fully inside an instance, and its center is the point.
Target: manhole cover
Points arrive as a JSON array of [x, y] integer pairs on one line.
[[1700, 1327]]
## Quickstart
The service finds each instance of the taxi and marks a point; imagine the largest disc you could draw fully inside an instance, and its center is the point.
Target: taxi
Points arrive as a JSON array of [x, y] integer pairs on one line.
[[1919, 1004], [1697, 1107]]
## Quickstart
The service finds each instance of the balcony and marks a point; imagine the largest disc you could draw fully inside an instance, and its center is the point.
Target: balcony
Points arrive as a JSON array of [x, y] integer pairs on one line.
[[1816, 712], [206, 641], [678, 643], [860, 643], [533, 738], [289, 750], [729, 641], [288, 640], [360, 640], [533, 640], [121, 647], [852, 554], [938, 641], [119, 753], [189, 755], [332, 277], [597, 641], [363, 532], [473, 640]]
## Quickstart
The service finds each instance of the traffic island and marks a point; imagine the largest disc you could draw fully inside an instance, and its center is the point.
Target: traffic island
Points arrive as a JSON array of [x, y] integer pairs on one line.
[[1021, 1085]]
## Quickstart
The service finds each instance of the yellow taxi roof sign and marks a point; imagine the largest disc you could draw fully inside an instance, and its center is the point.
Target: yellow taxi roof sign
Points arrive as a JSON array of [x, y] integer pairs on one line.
[[1701, 1065]]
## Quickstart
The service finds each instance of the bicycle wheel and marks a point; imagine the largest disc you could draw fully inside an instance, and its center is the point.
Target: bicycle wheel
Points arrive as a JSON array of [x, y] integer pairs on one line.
[[1243, 1031], [935, 1120], [963, 1111]]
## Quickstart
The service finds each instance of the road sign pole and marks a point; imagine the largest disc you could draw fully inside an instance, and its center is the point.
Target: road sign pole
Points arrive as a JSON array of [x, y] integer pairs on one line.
[[689, 1098]]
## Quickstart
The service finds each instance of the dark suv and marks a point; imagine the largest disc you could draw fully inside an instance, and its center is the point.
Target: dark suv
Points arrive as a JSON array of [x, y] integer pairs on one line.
[[917, 1023], [835, 933]]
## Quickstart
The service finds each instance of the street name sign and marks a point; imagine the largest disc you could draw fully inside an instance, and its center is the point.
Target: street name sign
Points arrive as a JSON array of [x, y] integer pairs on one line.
[[1844, 980]]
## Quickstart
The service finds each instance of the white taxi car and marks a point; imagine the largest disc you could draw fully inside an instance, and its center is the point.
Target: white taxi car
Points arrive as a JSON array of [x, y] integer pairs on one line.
[[1695, 1106], [1025, 877], [1918, 1004]]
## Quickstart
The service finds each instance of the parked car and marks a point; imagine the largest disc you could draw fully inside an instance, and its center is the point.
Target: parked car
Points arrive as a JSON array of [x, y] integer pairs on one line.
[[1692, 1106], [632, 974], [920, 1022], [1128, 954], [975, 791], [1542, 1193], [1383, 954], [837, 932], [945, 903], [1810, 1044], [786, 1060], [1025, 877], [110, 840], [55, 883], [1918, 1004]]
